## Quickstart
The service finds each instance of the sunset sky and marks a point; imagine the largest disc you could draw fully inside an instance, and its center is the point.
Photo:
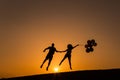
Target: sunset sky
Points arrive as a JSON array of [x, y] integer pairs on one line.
[[27, 27]]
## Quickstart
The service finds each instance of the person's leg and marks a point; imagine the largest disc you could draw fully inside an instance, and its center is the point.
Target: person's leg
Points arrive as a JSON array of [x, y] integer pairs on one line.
[[63, 60], [69, 58], [43, 62], [50, 59]]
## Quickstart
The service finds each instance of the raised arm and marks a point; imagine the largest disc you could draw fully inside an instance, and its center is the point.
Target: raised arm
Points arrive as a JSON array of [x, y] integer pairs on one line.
[[76, 45]]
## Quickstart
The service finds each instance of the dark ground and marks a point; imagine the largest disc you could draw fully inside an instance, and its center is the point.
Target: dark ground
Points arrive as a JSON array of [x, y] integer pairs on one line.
[[108, 74]]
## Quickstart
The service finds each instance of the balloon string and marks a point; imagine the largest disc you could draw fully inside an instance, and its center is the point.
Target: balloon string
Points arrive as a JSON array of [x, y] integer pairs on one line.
[[81, 44]]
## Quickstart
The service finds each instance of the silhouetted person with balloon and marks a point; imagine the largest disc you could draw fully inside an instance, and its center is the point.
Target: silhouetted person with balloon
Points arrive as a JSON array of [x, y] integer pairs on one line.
[[68, 54], [50, 54]]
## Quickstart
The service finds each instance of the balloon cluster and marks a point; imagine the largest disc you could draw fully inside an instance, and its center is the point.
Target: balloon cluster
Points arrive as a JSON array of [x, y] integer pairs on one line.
[[89, 45]]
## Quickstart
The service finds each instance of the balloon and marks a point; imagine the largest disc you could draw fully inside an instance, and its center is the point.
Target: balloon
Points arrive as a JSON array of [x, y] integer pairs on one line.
[[87, 50], [89, 45]]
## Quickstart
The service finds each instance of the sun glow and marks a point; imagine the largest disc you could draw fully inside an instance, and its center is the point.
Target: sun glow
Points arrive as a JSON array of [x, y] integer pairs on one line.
[[56, 69]]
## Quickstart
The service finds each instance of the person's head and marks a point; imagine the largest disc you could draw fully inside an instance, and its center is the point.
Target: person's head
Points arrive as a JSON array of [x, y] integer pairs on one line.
[[69, 46], [53, 44]]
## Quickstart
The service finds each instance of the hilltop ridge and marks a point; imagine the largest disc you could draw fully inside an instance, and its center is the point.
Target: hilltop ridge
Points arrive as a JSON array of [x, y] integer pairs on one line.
[[111, 74]]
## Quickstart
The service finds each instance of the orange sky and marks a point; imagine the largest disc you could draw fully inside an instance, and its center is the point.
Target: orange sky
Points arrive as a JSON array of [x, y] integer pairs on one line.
[[28, 27]]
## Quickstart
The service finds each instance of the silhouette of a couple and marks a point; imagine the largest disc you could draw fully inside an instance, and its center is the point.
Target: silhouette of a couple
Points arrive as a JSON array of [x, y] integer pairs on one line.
[[51, 52]]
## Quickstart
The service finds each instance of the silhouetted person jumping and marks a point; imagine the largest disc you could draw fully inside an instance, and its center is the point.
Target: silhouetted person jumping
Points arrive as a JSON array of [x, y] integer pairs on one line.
[[68, 54], [50, 54]]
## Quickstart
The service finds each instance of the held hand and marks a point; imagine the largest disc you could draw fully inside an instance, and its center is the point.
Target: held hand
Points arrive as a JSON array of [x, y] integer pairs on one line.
[[61, 51]]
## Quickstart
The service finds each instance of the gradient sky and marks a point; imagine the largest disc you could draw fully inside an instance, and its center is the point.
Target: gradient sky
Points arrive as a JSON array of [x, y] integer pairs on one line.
[[27, 27]]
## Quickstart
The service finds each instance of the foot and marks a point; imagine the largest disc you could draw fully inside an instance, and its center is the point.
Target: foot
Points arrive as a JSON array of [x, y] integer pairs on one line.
[[59, 64], [47, 69], [41, 66], [71, 68]]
